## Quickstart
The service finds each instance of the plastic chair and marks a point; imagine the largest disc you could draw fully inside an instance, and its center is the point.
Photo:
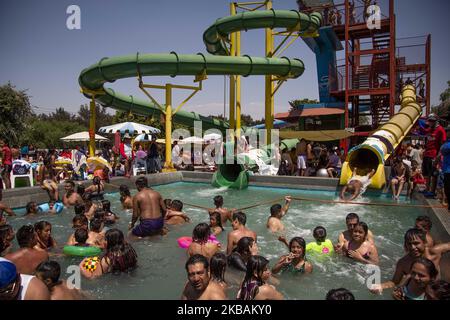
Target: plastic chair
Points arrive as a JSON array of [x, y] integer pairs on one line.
[[27, 170], [139, 167]]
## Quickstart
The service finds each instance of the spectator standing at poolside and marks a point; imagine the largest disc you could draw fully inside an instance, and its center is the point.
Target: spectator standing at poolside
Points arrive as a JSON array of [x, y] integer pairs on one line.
[[126, 153], [445, 152], [6, 162], [435, 138]]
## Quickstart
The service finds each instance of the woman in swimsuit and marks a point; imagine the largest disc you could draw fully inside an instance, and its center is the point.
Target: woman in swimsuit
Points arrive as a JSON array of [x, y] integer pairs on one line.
[[359, 248], [119, 256], [245, 248], [295, 261], [414, 285], [215, 223], [96, 189], [254, 286], [200, 242], [44, 236]]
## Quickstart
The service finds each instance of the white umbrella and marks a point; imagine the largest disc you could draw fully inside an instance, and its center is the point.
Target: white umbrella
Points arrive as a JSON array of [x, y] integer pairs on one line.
[[82, 136], [143, 137], [193, 139], [212, 137], [131, 127]]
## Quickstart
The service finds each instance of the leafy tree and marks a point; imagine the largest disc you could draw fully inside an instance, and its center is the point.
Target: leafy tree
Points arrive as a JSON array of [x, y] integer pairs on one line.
[[47, 134], [102, 117], [295, 104], [15, 110], [443, 109], [59, 115]]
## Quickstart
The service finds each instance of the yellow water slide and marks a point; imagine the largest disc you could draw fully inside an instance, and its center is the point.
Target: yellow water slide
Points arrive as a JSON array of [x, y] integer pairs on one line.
[[373, 153]]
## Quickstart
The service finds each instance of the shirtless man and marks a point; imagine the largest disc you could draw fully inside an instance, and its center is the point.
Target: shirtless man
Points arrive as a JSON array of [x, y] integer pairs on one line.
[[175, 215], [147, 206], [198, 286], [80, 221], [424, 223], [225, 214], [274, 223], [71, 198], [301, 153], [239, 231], [16, 286], [415, 246], [27, 258], [49, 273], [357, 185], [351, 221]]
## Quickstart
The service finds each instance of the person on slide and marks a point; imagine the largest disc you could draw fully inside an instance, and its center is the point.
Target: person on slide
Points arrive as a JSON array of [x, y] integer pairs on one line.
[[357, 184]]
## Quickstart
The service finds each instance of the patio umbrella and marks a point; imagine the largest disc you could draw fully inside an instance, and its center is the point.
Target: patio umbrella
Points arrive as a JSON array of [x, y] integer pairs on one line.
[[131, 127], [192, 139], [82, 136], [143, 137], [212, 137], [95, 163]]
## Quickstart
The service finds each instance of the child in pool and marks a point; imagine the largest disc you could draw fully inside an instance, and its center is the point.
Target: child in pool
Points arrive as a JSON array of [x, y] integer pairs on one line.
[[215, 223], [175, 215], [322, 245], [81, 236]]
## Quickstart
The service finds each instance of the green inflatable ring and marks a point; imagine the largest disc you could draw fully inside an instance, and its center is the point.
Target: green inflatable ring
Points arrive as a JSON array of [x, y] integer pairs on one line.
[[82, 251]]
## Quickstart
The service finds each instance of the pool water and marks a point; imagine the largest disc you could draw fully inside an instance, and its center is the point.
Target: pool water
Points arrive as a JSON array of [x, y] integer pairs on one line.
[[161, 274]]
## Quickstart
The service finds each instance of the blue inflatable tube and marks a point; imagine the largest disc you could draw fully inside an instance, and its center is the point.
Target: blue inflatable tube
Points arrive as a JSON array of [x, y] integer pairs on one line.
[[45, 207]]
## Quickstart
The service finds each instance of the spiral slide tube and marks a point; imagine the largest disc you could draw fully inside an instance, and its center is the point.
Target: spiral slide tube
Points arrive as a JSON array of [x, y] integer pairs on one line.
[[172, 64], [373, 153]]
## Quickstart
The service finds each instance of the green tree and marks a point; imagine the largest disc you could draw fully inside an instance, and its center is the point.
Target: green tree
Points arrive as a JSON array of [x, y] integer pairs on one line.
[[15, 110], [443, 109], [102, 117], [295, 104], [47, 133], [59, 115]]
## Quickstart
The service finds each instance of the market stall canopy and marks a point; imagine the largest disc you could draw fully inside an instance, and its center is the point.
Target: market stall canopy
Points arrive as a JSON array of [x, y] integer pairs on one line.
[[83, 136], [132, 128], [321, 135]]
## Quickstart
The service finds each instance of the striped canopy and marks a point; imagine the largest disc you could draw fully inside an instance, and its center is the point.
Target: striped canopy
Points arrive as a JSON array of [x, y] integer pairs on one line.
[[132, 128]]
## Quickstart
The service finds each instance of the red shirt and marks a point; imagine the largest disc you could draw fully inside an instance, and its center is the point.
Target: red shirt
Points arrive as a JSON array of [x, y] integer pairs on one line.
[[435, 139], [7, 155]]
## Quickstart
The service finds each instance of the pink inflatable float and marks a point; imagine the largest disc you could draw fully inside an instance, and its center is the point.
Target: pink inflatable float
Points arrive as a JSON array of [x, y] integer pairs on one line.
[[185, 242]]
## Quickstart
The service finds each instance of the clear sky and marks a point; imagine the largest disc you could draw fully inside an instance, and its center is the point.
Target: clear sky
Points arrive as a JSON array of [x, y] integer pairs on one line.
[[40, 54]]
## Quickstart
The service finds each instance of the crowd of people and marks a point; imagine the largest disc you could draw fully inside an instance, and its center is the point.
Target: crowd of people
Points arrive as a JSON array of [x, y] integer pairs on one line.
[[29, 273]]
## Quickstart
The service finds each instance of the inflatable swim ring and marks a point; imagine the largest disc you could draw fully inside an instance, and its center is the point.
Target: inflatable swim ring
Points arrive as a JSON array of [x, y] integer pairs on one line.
[[185, 242], [45, 207], [82, 251]]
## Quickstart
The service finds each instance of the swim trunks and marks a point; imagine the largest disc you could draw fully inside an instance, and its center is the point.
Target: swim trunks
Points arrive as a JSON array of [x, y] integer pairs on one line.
[[148, 227]]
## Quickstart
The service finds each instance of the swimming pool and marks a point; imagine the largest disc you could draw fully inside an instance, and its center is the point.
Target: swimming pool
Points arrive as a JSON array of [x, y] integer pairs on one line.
[[161, 273]]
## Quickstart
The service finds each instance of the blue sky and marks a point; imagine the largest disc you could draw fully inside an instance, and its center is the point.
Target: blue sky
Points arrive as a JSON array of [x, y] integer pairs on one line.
[[40, 54]]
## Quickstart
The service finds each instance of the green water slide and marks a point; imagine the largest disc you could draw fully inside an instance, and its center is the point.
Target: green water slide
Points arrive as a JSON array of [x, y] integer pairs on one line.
[[94, 78]]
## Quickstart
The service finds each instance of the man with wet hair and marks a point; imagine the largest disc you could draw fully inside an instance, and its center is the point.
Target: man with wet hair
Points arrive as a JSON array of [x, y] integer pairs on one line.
[[351, 220], [27, 258], [415, 247], [340, 294], [49, 272], [424, 223], [71, 198], [199, 286], [239, 231], [148, 206], [274, 223]]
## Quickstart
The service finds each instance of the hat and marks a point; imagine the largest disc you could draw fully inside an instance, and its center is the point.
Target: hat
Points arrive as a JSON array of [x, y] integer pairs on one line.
[[432, 117], [8, 272], [127, 136]]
